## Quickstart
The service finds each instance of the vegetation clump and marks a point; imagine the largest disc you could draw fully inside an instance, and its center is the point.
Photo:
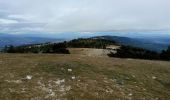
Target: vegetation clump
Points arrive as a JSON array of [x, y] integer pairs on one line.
[[39, 48], [90, 43], [124, 51], [59, 47], [140, 53]]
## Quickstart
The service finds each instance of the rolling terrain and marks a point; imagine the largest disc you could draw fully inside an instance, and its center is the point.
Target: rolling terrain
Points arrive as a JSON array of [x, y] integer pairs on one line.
[[16, 40], [153, 44], [85, 73], [78, 76]]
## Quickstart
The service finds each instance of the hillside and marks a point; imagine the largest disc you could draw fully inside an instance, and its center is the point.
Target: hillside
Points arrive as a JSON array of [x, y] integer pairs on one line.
[[90, 43], [16, 40], [81, 77], [150, 43], [154, 44], [60, 47]]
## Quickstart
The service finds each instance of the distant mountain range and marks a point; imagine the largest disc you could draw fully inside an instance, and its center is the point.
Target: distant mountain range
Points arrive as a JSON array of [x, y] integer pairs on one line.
[[154, 44], [8, 39], [150, 43]]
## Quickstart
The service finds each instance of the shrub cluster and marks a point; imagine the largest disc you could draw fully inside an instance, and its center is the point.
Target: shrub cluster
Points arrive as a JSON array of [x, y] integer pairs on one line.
[[38, 48], [89, 43], [140, 53]]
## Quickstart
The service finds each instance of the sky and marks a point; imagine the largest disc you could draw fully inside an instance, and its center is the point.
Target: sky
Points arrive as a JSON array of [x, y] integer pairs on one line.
[[86, 16]]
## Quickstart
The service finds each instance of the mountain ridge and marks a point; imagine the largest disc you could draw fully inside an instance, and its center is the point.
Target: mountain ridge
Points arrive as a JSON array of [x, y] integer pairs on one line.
[[137, 42], [16, 40], [155, 43]]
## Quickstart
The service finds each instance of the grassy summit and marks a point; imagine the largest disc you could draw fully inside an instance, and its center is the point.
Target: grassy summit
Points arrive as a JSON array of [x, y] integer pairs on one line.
[[82, 77]]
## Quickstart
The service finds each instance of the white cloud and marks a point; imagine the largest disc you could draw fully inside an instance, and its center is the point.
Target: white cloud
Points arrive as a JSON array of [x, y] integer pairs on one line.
[[8, 21], [84, 15], [21, 17]]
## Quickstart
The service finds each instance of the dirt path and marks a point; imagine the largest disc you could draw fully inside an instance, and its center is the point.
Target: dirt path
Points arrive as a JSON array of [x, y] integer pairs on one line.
[[90, 52]]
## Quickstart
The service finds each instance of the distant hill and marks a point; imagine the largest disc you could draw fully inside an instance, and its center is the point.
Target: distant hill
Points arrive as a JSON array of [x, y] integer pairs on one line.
[[90, 43], [150, 44], [15, 40], [61, 47]]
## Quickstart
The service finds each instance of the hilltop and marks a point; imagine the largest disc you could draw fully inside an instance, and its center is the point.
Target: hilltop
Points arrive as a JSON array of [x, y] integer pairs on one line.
[[81, 69], [60, 47], [153, 43], [82, 77]]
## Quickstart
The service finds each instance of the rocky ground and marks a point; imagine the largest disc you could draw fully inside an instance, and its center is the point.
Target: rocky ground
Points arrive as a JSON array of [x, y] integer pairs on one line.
[[82, 77]]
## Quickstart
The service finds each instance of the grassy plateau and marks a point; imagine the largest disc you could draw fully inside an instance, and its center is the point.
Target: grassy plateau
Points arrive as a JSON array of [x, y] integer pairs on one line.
[[82, 77]]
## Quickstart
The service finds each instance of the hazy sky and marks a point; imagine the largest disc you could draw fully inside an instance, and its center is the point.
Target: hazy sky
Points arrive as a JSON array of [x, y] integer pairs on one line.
[[19, 16]]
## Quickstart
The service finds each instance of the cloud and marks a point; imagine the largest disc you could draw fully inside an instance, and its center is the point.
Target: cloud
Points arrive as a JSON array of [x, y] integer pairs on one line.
[[8, 21], [84, 16], [21, 27], [21, 17]]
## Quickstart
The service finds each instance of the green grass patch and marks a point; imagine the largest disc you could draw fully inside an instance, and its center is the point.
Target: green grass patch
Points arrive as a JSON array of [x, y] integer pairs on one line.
[[61, 69], [78, 69]]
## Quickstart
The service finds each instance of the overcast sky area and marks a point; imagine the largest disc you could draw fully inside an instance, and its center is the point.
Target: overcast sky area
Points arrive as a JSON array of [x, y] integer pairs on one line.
[[21, 16]]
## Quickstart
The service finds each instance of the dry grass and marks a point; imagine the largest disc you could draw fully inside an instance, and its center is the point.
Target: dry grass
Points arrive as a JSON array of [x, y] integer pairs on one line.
[[90, 52], [81, 77]]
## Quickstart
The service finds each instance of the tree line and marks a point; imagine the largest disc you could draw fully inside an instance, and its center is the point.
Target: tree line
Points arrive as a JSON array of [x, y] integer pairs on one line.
[[140, 53], [59, 47], [123, 52], [38, 48], [89, 43]]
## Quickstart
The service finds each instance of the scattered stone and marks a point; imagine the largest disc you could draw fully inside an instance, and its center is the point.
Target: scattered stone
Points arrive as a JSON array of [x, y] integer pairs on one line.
[[73, 77], [144, 89], [28, 77], [68, 88], [109, 91], [106, 81], [133, 76], [58, 82], [135, 82], [69, 70], [23, 90], [153, 77], [17, 81], [40, 83], [130, 94], [156, 98], [52, 93]]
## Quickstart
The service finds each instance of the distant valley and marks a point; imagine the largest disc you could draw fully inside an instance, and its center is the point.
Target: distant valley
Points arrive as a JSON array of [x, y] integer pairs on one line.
[[154, 44], [151, 43], [16, 40]]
